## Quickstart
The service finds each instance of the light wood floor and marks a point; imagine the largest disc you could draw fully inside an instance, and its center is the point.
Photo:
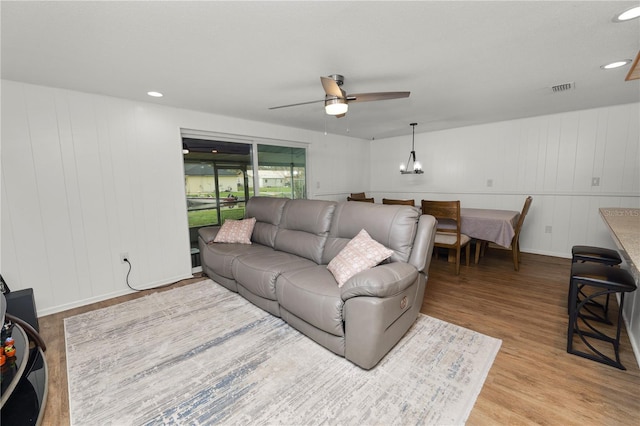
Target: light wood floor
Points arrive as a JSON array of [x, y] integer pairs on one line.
[[533, 379]]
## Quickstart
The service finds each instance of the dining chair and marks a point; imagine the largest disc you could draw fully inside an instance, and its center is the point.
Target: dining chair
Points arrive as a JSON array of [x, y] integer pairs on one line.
[[401, 202], [448, 235], [364, 200], [515, 241]]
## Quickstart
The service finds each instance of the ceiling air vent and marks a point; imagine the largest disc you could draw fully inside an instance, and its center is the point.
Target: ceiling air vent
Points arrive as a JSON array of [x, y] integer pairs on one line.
[[563, 87]]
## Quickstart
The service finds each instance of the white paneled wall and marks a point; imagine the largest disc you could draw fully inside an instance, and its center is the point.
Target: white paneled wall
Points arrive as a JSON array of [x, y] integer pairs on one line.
[[83, 180], [553, 158], [86, 177]]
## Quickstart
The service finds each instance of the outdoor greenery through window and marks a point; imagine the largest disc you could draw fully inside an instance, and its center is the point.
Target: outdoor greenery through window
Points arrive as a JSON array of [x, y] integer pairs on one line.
[[217, 181], [281, 171]]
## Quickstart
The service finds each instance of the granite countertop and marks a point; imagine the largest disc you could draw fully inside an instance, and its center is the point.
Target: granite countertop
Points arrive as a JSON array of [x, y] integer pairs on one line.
[[625, 228]]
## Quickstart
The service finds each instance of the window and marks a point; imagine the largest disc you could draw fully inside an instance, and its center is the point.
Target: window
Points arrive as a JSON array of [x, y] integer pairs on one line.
[[282, 171]]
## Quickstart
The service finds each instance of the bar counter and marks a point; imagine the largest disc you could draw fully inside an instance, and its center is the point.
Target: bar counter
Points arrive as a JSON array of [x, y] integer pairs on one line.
[[624, 226]]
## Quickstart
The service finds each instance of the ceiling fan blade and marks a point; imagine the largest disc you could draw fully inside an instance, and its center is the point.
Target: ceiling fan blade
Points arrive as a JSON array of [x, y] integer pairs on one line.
[[331, 88], [340, 115], [379, 96], [301, 103]]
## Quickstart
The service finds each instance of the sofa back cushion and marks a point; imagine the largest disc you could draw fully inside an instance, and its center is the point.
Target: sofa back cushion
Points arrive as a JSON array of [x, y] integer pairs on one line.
[[268, 214], [393, 226], [304, 228]]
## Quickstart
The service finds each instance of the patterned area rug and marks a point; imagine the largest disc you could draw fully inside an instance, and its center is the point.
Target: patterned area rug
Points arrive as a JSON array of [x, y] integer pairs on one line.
[[200, 354]]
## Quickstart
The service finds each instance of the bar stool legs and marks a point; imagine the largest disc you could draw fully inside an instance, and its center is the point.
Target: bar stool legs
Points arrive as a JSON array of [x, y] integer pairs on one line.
[[603, 281]]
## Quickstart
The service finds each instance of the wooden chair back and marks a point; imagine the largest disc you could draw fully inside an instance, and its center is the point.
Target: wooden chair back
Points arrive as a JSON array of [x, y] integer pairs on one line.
[[355, 195], [448, 237], [364, 200], [401, 202], [523, 214], [444, 211], [515, 241]]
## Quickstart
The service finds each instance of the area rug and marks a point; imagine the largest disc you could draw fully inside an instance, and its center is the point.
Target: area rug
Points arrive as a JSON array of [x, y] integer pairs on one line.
[[200, 354]]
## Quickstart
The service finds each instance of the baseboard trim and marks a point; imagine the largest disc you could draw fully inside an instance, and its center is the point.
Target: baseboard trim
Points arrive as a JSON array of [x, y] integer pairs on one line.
[[99, 298]]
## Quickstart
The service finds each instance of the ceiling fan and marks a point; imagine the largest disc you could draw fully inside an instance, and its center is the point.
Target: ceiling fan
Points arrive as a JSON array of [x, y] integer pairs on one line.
[[336, 100]]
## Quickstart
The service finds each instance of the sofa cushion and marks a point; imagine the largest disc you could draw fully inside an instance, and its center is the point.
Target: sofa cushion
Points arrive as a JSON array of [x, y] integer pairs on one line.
[[360, 254], [304, 227], [219, 257], [258, 274], [313, 296], [236, 231], [393, 226], [268, 213]]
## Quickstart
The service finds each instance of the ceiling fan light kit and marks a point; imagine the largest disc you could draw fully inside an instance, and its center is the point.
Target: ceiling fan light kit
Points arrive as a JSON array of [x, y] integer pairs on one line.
[[417, 167], [335, 106], [336, 100]]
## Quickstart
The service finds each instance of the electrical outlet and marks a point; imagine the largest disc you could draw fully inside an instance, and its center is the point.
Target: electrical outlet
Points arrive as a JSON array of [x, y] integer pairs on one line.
[[123, 257], [547, 229], [595, 181], [489, 183]]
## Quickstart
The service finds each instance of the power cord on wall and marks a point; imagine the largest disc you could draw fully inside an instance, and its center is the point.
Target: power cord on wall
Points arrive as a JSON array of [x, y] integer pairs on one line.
[[128, 272], [125, 260]]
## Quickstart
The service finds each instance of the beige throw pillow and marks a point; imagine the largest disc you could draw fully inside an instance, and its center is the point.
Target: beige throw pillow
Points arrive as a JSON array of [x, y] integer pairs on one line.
[[236, 231], [361, 253]]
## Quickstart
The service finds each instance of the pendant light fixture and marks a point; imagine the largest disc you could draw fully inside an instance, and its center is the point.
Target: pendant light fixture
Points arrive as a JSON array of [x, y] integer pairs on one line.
[[417, 167]]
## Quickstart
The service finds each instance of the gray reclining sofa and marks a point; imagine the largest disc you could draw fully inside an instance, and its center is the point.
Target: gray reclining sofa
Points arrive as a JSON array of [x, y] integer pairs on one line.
[[284, 270]]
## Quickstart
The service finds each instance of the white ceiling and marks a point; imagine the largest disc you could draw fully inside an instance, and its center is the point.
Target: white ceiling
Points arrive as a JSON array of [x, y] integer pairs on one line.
[[465, 62]]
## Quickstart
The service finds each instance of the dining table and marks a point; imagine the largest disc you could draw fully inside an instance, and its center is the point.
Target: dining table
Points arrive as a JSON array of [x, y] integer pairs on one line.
[[493, 225], [485, 225]]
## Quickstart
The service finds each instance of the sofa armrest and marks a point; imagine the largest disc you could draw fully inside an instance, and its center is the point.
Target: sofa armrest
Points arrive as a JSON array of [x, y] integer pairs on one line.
[[423, 243], [208, 234], [382, 281]]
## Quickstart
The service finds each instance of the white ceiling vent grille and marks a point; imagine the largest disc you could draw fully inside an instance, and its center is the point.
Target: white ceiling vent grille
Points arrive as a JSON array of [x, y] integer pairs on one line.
[[563, 87]]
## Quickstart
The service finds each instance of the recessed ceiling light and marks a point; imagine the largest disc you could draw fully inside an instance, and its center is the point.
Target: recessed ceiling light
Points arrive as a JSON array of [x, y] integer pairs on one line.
[[155, 94], [628, 14], [616, 64]]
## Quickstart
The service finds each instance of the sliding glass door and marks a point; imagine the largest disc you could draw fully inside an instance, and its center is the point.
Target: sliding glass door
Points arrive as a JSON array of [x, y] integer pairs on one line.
[[217, 184], [221, 176], [215, 192]]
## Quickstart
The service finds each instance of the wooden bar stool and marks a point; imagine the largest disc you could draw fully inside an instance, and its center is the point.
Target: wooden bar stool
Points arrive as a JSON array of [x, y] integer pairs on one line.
[[604, 256], [602, 280]]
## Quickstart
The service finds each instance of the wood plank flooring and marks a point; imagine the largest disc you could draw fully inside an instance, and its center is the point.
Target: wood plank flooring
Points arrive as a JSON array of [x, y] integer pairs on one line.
[[533, 379]]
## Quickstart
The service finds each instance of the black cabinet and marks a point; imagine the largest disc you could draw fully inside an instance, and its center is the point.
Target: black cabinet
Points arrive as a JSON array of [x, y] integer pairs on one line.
[[24, 375], [24, 385], [21, 304]]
